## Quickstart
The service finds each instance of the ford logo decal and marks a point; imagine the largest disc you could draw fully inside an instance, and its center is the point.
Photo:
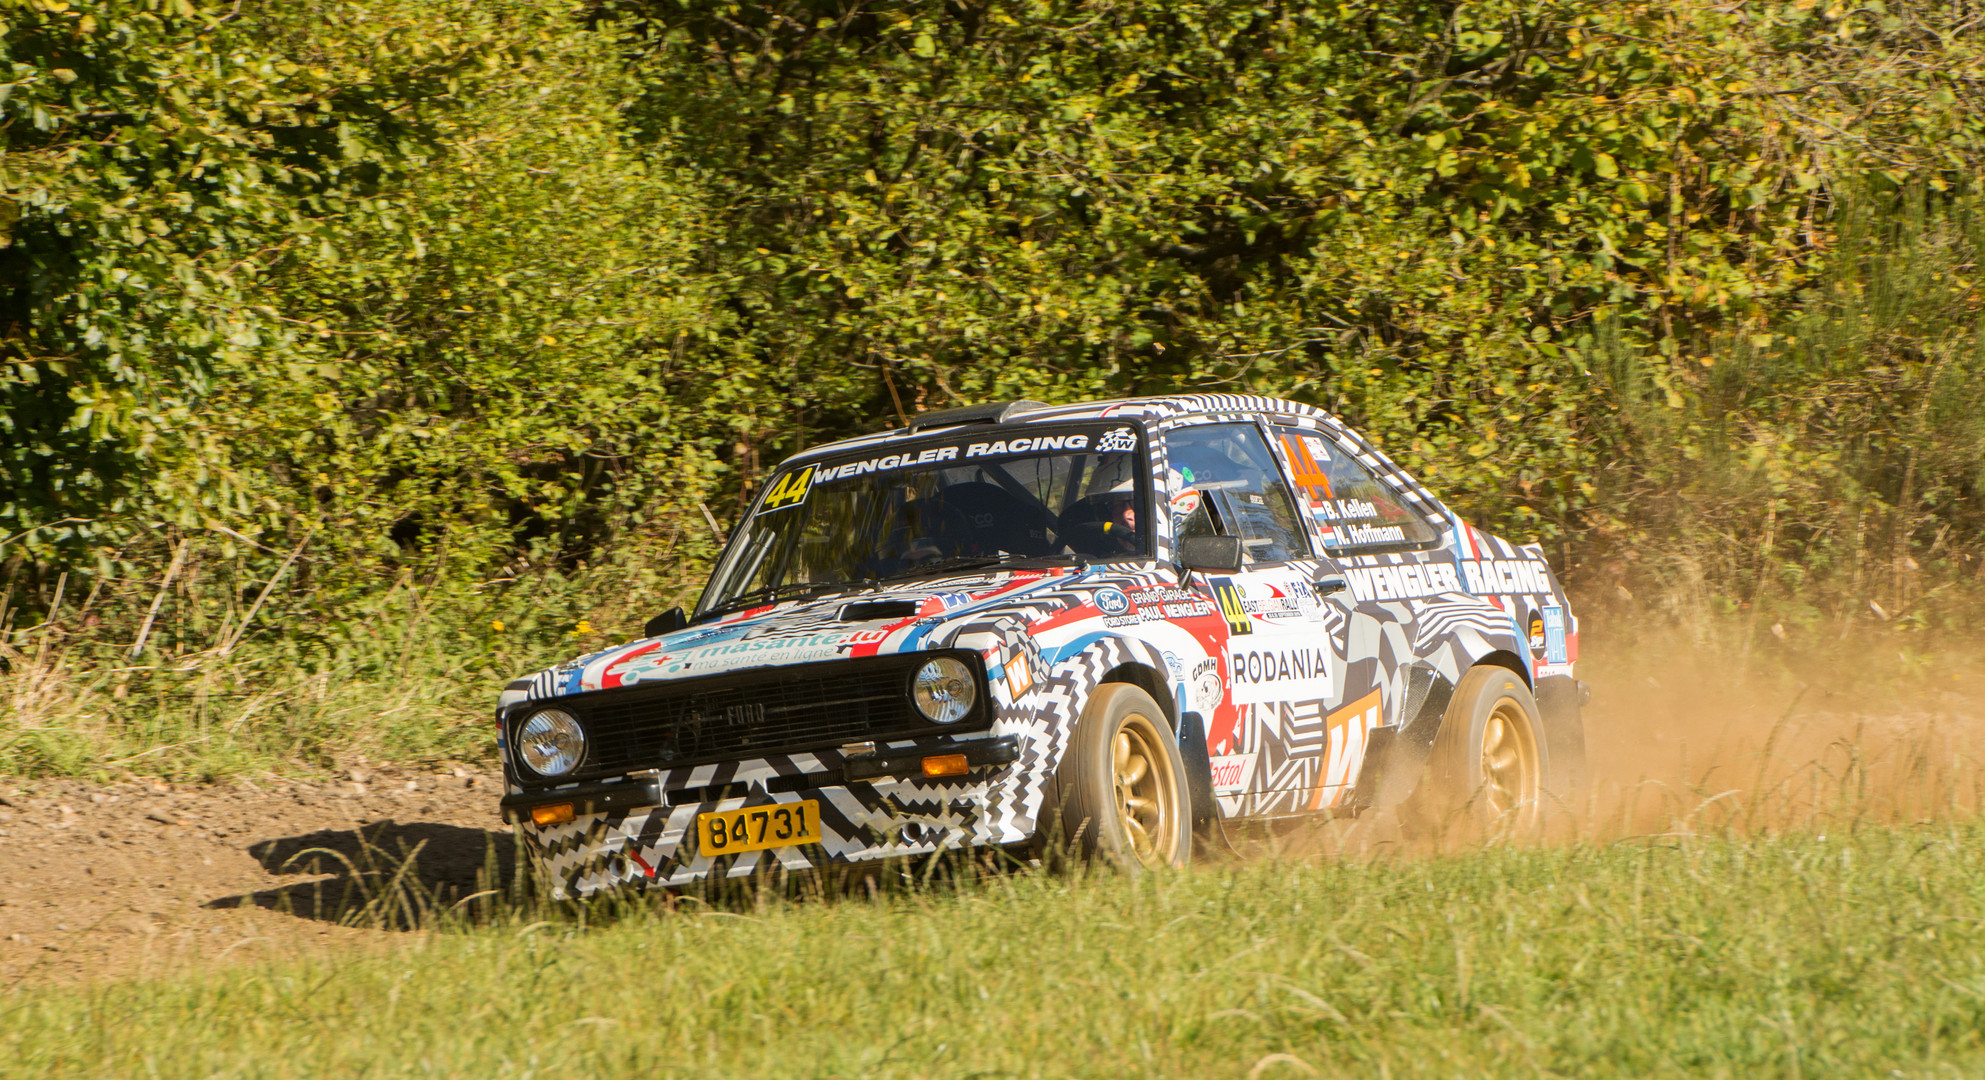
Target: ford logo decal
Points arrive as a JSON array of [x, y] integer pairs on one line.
[[1112, 601]]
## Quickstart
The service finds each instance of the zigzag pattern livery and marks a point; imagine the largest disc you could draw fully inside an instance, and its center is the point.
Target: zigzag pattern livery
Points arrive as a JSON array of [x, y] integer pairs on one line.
[[1048, 645]]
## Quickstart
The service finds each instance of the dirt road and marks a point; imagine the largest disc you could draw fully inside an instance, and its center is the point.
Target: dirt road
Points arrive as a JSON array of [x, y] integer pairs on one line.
[[134, 878], [127, 879]]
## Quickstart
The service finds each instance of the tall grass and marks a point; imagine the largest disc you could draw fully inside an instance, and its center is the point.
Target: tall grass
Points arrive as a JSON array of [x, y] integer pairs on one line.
[[1845, 954], [1815, 467]]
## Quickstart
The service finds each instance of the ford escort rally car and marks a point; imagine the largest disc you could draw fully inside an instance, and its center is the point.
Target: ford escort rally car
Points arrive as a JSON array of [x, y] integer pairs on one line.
[[1107, 626]]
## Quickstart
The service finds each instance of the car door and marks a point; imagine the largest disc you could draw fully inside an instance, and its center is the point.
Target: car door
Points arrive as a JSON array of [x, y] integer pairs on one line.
[[1390, 555], [1280, 646]]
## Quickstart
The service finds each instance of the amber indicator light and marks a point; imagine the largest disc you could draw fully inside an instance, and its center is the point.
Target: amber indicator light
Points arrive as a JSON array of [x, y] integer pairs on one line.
[[946, 765], [555, 814]]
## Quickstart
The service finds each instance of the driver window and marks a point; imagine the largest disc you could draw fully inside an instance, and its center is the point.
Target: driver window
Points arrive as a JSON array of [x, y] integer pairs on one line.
[[1353, 509], [1239, 483]]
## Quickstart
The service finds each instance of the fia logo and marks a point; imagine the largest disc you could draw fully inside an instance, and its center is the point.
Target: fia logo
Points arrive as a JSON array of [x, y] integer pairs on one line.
[[1112, 601], [1228, 596]]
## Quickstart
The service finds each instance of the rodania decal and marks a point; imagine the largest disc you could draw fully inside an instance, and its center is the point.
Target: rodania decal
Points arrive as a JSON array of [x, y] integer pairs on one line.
[[1279, 667]]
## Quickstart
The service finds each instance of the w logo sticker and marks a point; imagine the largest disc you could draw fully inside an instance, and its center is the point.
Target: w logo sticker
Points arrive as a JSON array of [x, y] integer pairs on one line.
[[1117, 441]]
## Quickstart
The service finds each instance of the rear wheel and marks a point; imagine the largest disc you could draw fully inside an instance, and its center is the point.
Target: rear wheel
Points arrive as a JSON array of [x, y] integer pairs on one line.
[[1489, 760], [1122, 787]]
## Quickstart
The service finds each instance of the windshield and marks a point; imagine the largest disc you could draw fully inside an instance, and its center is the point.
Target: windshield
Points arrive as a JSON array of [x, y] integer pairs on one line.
[[956, 501]]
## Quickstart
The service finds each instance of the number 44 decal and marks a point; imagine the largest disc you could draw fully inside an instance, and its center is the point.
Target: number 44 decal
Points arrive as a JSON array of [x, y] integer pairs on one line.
[[789, 491]]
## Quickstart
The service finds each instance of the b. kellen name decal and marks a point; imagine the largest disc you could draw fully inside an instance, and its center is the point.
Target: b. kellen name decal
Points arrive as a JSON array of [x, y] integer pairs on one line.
[[1344, 509]]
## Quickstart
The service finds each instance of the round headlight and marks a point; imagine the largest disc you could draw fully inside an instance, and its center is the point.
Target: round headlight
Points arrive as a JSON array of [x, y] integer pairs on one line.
[[944, 690], [551, 742]]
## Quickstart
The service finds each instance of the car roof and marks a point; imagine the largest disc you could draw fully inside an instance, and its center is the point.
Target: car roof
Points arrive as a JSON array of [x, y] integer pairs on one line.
[[1145, 409]]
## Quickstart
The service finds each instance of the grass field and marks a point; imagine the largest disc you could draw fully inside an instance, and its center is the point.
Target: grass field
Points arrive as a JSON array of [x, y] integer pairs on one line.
[[1855, 953]]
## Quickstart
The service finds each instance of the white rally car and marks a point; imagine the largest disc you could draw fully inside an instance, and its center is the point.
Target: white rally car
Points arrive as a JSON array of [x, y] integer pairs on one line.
[[1107, 625]]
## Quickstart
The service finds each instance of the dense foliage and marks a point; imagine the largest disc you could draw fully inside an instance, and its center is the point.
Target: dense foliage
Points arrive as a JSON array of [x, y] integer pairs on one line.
[[312, 310]]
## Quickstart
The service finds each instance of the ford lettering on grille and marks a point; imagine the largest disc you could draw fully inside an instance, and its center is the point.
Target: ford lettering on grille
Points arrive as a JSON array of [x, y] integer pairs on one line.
[[787, 709]]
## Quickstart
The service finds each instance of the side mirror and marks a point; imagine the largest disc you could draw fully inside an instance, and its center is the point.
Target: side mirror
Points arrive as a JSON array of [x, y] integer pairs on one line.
[[1222, 553], [667, 622]]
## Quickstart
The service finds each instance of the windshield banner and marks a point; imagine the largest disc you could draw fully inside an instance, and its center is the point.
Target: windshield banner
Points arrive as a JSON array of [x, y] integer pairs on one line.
[[791, 488], [1120, 439]]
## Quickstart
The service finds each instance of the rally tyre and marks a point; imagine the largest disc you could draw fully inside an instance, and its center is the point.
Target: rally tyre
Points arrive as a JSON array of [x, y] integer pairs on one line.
[[1122, 789], [1489, 760]]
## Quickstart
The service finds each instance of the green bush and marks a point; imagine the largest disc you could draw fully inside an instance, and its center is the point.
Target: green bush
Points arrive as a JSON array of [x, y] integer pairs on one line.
[[312, 305]]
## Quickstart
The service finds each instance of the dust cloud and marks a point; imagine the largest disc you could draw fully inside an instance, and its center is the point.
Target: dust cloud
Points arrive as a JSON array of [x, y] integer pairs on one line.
[[1687, 735]]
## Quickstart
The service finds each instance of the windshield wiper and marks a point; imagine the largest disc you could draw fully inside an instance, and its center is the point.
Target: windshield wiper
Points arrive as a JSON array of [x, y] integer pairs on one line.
[[791, 590], [975, 562]]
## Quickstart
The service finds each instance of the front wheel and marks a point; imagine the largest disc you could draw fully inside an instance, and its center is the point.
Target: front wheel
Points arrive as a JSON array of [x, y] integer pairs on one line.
[[1122, 787]]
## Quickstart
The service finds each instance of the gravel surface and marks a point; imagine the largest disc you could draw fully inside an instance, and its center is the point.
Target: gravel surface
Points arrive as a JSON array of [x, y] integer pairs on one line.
[[108, 880]]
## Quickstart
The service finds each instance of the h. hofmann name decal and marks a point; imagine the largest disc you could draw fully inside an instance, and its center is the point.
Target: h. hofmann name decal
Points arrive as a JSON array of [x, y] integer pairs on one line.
[[1371, 534]]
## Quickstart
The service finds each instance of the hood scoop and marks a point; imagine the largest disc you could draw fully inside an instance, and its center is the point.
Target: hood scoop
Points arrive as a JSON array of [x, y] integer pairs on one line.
[[872, 610]]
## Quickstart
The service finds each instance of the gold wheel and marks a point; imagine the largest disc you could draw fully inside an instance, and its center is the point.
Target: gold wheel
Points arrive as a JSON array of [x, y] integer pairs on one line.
[[1510, 770], [1487, 765], [1147, 793]]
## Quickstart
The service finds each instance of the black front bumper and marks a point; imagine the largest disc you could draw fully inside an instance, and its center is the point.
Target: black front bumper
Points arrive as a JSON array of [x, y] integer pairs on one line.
[[597, 798], [630, 793]]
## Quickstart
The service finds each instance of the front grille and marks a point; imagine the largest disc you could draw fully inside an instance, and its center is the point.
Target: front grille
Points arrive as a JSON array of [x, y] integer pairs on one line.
[[752, 713]]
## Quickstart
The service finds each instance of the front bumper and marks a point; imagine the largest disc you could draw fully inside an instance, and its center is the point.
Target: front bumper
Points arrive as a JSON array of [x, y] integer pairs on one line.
[[874, 804]]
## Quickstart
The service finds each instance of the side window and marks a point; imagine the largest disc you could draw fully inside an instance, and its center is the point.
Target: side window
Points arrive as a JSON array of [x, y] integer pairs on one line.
[[1353, 510], [1240, 486]]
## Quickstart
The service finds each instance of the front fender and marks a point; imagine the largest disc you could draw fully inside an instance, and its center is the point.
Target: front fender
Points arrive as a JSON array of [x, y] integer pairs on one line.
[[1038, 694]]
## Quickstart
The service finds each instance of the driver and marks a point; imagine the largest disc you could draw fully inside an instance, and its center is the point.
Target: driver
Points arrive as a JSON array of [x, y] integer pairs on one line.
[[1119, 517]]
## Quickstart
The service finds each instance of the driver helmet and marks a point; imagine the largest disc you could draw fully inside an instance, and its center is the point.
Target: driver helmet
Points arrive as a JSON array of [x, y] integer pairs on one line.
[[1119, 510]]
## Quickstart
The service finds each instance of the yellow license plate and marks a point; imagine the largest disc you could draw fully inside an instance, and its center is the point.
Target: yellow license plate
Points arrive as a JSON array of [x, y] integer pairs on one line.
[[757, 828]]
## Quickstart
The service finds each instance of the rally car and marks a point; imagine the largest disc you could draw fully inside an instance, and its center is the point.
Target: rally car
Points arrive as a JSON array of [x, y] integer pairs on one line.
[[1106, 627]]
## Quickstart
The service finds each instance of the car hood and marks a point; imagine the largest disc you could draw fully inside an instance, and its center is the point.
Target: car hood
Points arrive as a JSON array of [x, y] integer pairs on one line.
[[917, 615]]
